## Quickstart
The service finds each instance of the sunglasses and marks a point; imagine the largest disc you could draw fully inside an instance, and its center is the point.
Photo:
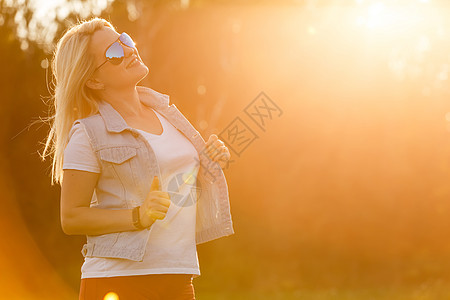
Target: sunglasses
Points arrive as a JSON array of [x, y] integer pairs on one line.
[[115, 52]]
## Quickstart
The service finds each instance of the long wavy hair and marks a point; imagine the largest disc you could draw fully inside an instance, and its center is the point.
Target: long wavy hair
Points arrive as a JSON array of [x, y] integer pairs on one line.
[[72, 65]]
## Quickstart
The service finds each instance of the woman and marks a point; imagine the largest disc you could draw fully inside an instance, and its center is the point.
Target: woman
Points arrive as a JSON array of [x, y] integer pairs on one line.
[[136, 177]]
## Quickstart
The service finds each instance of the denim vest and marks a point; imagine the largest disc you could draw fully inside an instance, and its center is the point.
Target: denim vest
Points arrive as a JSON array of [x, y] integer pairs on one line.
[[128, 164]]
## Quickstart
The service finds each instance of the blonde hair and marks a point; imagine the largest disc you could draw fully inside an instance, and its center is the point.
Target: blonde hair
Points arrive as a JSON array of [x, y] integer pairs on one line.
[[72, 65]]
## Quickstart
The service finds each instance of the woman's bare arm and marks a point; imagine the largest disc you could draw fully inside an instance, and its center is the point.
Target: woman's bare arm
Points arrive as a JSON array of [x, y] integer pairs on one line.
[[77, 218]]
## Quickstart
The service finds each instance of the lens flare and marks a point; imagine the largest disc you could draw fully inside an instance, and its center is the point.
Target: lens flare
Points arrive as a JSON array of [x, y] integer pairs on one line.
[[111, 296]]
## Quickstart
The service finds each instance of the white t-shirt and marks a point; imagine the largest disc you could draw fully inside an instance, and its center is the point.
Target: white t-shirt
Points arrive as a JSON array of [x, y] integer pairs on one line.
[[171, 246]]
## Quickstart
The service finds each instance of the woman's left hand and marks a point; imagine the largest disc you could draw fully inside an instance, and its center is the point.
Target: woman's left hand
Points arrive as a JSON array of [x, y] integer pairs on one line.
[[217, 151]]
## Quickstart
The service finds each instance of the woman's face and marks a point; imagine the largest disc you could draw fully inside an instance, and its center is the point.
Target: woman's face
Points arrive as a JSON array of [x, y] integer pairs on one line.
[[109, 75]]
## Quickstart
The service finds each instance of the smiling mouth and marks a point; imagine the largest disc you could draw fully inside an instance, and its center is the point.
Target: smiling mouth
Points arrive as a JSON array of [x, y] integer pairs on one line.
[[133, 62]]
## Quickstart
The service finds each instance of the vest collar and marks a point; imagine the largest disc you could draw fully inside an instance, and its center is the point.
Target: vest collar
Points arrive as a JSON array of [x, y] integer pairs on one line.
[[114, 121]]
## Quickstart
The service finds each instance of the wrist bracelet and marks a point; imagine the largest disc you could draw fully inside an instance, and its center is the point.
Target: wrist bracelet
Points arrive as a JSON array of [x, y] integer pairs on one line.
[[136, 218]]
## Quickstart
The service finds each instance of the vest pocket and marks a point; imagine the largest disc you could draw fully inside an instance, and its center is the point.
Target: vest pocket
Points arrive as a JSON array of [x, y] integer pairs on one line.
[[120, 170], [117, 155]]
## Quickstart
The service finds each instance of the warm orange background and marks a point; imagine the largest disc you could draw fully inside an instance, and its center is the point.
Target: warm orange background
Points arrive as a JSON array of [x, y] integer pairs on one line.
[[347, 189]]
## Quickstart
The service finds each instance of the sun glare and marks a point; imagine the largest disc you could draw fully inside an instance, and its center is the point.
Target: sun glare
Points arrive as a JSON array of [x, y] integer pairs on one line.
[[111, 296], [391, 15]]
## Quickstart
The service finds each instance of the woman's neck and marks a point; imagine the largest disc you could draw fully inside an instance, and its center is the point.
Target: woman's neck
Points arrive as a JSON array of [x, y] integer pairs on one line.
[[126, 102]]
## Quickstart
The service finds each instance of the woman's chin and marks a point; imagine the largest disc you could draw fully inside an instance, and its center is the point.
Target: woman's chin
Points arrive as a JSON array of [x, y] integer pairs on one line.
[[139, 71], [145, 70], [143, 74]]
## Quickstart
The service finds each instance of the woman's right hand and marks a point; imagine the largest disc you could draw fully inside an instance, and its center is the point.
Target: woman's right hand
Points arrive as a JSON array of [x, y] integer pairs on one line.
[[155, 206]]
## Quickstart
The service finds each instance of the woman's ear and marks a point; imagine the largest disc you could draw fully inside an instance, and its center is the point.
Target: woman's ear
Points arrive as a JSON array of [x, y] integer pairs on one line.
[[94, 84]]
